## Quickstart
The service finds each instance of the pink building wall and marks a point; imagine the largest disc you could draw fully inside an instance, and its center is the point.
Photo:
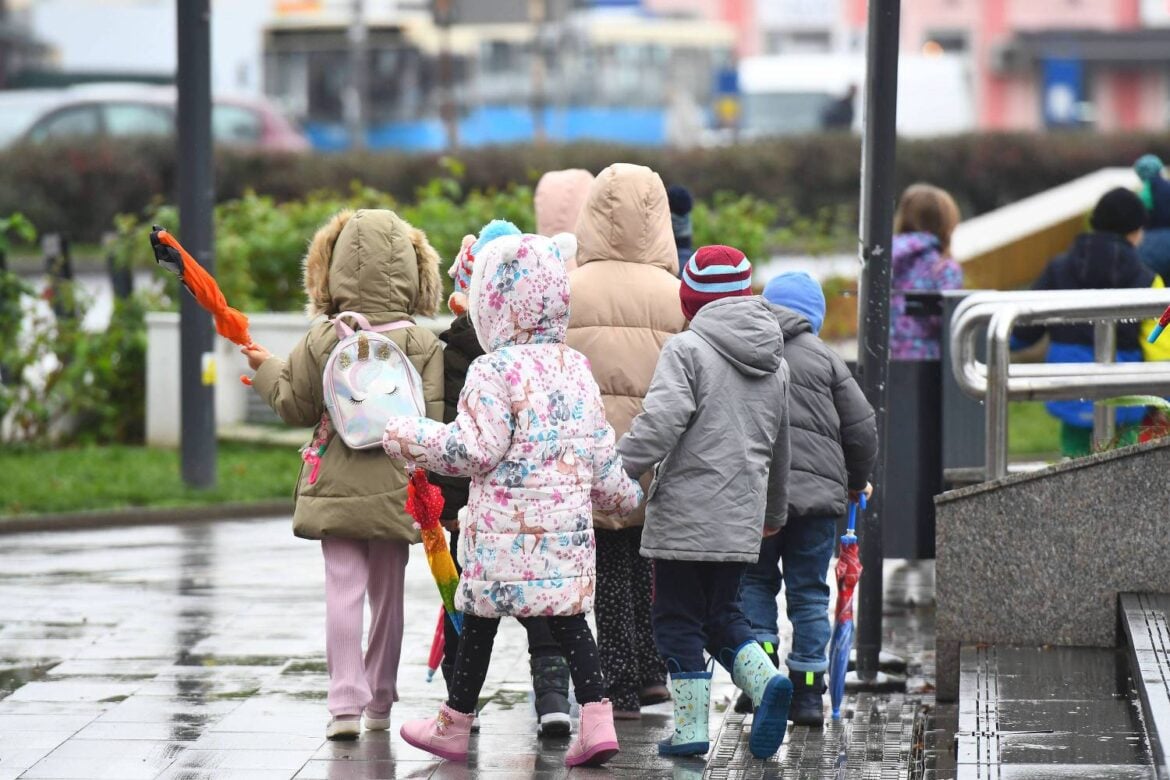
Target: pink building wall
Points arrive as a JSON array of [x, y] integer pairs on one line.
[[1123, 99]]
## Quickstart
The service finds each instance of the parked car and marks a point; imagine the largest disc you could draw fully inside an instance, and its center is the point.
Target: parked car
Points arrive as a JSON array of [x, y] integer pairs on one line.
[[134, 110]]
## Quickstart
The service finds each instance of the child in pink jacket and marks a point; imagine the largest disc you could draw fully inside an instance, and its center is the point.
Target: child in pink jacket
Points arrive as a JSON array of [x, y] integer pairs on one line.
[[532, 435]]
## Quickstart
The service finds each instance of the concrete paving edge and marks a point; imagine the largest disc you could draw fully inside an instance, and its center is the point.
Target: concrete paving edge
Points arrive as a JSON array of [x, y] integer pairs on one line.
[[113, 518]]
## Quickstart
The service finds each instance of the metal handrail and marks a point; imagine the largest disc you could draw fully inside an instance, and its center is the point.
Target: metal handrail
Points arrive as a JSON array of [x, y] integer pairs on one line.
[[997, 381]]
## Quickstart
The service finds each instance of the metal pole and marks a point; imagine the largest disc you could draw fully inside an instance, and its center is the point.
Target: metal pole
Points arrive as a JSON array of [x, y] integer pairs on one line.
[[448, 111], [999, 332], [537, 14], [877, 220], [355, 93], [196, 202], [1104, 351]]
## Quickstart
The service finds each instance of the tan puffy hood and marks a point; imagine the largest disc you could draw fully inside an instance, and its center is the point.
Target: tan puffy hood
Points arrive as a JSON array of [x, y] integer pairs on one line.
[[373, 262], [559, 198], [627, 218]]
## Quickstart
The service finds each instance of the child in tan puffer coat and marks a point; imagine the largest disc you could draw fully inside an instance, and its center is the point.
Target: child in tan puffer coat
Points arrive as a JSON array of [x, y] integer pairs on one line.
[[374, 263]]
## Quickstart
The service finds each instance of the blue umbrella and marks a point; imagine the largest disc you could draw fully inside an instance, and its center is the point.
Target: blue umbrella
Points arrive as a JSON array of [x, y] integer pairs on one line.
[[848, 573]]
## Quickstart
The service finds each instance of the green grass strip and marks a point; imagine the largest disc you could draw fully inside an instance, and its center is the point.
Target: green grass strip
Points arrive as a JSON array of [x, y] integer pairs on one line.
[[116, 477]]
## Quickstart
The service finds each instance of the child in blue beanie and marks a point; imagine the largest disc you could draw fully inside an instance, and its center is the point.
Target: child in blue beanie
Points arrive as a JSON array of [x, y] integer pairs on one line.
[[834, 445]]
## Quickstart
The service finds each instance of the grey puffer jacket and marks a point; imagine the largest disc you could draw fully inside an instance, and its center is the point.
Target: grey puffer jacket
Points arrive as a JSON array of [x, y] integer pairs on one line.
[[715, 426], [831, 424]]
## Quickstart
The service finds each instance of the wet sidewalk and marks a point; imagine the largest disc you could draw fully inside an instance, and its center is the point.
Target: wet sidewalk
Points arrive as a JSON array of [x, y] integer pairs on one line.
[[198, 652]]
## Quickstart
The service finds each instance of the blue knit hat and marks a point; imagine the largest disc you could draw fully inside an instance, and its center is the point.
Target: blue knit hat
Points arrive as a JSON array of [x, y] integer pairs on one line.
[[799, 292]]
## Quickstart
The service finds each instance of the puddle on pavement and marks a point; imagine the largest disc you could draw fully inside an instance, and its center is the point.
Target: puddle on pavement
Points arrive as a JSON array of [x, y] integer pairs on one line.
[[13, 677]]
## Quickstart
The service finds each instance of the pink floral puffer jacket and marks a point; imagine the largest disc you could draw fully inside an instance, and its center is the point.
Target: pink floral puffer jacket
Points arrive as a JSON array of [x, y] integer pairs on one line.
[[532, 435]]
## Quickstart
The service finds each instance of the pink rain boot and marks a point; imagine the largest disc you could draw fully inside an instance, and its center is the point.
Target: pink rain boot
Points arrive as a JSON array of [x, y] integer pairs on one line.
[[596, 740], [446, 735]]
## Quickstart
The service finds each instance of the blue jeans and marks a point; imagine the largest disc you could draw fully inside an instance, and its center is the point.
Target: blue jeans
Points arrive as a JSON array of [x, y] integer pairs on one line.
[[798, 556]]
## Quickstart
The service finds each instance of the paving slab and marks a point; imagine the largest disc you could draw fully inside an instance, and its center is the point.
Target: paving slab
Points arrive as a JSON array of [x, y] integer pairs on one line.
[[196, 651]]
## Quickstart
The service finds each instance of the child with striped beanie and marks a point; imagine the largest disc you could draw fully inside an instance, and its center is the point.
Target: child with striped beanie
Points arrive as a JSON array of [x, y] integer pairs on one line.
[[712, 273], [714, 431]]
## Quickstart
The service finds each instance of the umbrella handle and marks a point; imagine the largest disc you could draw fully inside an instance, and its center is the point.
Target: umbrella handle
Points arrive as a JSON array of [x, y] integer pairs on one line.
[[853, 506]]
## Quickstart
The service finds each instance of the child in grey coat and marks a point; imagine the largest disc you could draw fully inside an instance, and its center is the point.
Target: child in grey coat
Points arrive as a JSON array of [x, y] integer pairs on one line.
[[714, 428]]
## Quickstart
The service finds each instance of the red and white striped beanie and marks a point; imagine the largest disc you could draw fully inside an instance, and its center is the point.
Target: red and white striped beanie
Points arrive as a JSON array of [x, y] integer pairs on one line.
[[714, 272]]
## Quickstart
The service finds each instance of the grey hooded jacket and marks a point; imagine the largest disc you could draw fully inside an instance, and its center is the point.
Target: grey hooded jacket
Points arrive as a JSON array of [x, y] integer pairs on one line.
[[715, 424], [832, 426]]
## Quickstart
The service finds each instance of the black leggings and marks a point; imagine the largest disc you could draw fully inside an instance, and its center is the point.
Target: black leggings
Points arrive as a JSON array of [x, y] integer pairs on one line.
[[540, 641], [572, 635]]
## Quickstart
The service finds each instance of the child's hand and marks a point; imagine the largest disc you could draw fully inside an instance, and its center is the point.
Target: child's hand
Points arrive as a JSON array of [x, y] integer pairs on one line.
[[855, 495], [771, 531], [256, 355]]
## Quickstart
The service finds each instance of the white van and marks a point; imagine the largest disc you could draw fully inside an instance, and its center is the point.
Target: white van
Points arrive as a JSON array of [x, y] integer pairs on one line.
[[787, 94]]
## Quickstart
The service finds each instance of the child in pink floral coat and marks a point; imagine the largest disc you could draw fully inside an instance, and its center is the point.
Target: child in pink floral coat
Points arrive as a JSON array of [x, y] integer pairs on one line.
[[532, 435]]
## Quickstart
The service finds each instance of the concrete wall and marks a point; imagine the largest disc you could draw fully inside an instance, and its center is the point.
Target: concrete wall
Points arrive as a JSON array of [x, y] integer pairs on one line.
[[278, 332], [1039, 559]]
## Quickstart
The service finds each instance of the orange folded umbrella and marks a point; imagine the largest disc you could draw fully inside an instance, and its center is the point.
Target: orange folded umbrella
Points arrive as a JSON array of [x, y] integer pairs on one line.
[[229, 323]]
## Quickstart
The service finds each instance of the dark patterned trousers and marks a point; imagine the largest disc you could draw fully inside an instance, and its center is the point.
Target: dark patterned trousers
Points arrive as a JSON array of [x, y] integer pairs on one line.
[[625, 638]]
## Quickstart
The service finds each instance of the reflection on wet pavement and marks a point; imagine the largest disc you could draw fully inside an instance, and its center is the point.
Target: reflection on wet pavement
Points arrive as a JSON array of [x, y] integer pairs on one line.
[[198, 652]]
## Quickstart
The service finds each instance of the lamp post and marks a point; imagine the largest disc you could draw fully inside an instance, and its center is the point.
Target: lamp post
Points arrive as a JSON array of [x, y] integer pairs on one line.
[[877, 218], [196, 204]]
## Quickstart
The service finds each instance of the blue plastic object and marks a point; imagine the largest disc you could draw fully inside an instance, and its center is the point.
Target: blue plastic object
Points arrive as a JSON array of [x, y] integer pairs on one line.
[[1156, 333]]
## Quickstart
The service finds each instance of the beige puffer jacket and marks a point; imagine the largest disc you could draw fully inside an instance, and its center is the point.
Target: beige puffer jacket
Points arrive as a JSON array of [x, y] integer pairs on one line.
[[624, 293], [374, 263]]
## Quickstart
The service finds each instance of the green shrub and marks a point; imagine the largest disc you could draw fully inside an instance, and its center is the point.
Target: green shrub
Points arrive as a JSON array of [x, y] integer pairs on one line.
[[260, 241], [80, 190]]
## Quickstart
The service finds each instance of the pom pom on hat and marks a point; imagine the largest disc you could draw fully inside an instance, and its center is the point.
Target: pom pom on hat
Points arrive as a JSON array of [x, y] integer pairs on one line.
[[497, 228], [1148, 167], [714, 272]]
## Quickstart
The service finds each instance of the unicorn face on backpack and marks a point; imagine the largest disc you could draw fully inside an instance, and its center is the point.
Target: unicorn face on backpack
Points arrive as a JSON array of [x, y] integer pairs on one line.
[[368, 380]]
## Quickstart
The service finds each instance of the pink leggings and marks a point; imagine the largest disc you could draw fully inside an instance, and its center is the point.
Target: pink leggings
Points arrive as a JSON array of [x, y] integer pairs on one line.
[[353, 567]]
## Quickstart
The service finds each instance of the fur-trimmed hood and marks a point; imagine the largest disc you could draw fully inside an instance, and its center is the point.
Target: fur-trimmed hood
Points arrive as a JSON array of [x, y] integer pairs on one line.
[[374, 262]]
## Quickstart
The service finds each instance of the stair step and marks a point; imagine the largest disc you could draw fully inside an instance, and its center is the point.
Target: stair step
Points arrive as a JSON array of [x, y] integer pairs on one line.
[[1145, 619]]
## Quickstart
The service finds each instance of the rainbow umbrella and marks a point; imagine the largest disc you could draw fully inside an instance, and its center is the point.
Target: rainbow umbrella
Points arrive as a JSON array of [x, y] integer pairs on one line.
[[424, 502]]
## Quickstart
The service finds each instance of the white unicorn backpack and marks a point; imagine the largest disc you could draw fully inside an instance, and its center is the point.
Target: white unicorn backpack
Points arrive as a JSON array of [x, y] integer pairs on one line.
[[368, 379]]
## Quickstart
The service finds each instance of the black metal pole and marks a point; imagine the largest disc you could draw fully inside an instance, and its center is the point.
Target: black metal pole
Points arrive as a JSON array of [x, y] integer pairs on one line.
[[877, 218], [196, 202]]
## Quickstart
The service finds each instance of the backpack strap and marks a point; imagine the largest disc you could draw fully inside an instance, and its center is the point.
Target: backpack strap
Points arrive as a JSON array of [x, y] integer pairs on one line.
[[344, 330]]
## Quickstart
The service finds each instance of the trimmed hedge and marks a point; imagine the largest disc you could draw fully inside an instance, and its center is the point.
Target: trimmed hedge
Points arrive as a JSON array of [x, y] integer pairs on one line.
[[80, 190]]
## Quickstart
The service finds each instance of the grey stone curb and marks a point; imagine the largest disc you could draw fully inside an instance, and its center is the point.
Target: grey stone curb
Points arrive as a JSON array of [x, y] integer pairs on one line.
[[72, 521]]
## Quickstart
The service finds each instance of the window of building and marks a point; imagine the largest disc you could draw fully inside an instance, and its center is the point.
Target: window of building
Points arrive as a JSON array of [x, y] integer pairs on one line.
[[950, 41]]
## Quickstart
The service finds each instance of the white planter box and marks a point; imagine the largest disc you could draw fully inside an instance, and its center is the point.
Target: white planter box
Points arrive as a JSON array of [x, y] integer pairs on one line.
[[278, 332]]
